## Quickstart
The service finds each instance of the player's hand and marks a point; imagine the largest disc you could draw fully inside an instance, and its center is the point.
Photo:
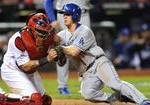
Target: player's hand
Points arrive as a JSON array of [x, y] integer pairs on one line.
[[52, 54], [55, 24], [57, 40], [61, 58]]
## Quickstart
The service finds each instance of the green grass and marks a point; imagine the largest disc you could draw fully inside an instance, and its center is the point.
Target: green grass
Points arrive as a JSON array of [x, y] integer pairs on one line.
[[51, 87], [141, 83]]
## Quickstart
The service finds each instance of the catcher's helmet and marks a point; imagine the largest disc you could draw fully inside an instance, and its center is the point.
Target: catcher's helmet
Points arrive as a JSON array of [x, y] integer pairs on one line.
[[39, 25], [73, 10]]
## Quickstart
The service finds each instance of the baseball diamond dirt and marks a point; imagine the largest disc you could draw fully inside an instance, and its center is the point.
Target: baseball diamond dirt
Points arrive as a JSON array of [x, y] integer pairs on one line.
[[121, 73], [83, 102]]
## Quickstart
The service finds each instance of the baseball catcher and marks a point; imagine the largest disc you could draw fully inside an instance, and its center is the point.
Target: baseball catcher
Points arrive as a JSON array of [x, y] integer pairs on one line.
[[29, 49]]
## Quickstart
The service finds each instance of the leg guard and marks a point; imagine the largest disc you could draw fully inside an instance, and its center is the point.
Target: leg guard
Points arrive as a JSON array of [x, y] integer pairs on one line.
[[37, 98], [4, 100], [16, 102], [47, 100]]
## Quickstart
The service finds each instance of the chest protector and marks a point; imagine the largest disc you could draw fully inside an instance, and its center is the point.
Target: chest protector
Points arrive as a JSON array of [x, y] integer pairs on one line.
[[28, 43]]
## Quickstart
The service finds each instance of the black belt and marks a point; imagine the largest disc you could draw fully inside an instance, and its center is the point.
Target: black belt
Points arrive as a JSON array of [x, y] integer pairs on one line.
[[92, 63]]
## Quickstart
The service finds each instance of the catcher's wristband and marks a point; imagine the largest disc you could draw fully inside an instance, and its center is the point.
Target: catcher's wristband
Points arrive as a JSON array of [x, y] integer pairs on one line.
[[43, 61]]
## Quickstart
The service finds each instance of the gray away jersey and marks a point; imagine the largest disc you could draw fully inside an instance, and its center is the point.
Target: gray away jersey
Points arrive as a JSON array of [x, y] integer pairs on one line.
[[84, 39]]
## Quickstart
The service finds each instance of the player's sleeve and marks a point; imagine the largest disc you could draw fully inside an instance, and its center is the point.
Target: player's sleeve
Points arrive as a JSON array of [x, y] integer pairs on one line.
[[21, 57], [85, 40], [49, 9]]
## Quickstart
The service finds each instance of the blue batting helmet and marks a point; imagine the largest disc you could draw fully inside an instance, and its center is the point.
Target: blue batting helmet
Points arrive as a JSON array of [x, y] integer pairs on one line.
[[73, 10]]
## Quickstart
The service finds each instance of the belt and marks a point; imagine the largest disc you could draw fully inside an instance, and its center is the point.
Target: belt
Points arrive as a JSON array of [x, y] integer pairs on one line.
[[92, 63]]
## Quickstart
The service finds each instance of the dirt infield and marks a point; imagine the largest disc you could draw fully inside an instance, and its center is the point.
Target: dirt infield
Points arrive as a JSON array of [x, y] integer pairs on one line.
[[74, 74], [126, 72], [83, 102]]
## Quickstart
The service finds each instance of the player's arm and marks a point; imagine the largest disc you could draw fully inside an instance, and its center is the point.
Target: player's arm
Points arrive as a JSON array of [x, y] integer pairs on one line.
[[49, 9], [32, 64], [71, 50], [66, 50], [22, 58]]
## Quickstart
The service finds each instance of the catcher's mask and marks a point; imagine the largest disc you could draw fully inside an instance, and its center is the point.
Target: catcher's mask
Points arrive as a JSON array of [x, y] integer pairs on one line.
[[39, 25]]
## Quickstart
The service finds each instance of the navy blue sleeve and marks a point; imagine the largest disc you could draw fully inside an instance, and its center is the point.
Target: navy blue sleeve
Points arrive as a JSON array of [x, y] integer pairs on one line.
[[49, 9]]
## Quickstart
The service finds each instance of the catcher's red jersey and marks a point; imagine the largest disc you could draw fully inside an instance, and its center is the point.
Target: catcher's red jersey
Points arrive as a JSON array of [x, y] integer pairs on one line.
[[35, 51]]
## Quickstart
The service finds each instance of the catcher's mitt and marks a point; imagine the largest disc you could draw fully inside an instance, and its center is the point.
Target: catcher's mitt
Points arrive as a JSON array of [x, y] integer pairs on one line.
[[61, 57]]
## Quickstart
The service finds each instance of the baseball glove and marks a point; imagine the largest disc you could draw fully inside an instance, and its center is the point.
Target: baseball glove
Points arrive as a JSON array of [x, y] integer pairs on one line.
[[61, 57]]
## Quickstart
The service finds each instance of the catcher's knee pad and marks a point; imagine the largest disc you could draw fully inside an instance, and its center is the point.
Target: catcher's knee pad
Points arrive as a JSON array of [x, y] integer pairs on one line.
[[47, 100], [37, 98]]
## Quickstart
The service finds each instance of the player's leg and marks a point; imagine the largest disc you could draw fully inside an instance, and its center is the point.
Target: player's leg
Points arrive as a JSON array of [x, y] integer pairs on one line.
[[62, 71], [24, 89], [18, 82], [62, 77], [145, 102], [24, 86], [16, 103], [107, 73], [21, 84], [36, 79], [35, 99], [91, 87], [12, 99], [37, 82]]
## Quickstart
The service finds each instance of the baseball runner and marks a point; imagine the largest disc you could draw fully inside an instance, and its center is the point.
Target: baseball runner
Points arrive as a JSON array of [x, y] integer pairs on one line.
[[49, 5], [84, 5], [79, 44], [29, 49]]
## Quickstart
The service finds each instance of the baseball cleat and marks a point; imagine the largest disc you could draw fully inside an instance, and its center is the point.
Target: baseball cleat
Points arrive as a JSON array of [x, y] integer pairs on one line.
[[64, 91], [146, 102], [125, 99], [117, 96]]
